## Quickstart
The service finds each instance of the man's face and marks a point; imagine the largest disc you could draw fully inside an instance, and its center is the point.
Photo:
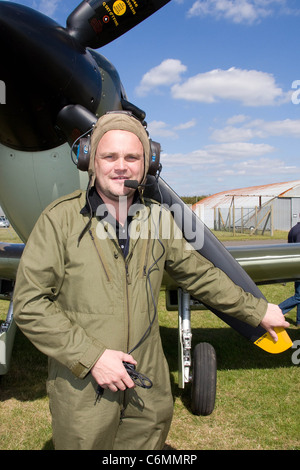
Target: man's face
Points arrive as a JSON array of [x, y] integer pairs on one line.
[[119, 157]]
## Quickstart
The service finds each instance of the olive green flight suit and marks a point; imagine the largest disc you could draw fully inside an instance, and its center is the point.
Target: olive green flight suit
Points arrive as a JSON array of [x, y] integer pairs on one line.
[[75, 300]]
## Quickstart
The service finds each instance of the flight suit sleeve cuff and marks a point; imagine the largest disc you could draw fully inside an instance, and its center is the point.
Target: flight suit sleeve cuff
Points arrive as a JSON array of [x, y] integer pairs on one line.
[[258, 313], [90, 357]]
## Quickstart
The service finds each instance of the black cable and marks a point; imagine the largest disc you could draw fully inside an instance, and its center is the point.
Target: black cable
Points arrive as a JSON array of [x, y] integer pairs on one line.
[[140, 379], [149, 282], [87, 225]]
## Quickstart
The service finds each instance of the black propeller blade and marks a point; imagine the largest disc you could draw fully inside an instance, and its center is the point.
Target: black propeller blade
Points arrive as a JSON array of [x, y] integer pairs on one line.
[[95, 23], [46, 67], [43, 69]]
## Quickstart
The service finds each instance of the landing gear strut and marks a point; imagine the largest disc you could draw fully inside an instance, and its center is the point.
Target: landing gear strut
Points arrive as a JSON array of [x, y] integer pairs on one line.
[[7, 336], [204, 365]]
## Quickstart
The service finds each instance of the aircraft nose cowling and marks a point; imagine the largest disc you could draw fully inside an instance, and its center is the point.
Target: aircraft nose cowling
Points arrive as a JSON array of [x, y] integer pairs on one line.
[[43, 69]]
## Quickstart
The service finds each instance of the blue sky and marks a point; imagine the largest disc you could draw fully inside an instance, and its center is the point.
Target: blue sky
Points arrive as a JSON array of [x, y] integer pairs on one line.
[[220, 83]]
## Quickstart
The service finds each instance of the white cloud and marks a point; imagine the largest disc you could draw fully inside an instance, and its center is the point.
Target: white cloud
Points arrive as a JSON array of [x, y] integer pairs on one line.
[[186, 125], [237, 119], [47, 7], [238, 150], [212, 155], [263, 166], [286, 127], [165, 74], [162, 129], [198, 158], [258, 128], [250, 87], [232, 134], [237, 11]]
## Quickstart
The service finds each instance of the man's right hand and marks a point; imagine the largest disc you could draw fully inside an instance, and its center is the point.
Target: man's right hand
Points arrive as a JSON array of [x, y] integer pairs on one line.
[[272, 319], [109, 371]]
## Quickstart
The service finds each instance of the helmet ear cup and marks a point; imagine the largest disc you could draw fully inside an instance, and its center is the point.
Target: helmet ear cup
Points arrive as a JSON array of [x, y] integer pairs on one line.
[[154, 163], [83, 153], [84, 150]]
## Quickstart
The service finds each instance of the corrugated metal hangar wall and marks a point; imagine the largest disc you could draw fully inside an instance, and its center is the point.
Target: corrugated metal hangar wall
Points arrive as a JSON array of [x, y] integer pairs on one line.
[[268, 207]]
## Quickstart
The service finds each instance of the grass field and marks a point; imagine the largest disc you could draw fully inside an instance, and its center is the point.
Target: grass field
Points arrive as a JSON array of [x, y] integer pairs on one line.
[[257, 404]]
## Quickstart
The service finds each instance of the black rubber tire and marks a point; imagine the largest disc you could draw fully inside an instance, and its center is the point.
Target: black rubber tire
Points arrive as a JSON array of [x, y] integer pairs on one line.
[[204, 382]]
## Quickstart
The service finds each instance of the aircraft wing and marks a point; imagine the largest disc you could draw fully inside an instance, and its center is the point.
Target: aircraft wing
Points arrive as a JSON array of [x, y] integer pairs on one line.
[[10, 254], [263, 264]]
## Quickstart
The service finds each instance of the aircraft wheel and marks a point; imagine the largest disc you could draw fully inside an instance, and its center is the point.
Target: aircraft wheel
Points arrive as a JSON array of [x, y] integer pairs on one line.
[[204, 379]]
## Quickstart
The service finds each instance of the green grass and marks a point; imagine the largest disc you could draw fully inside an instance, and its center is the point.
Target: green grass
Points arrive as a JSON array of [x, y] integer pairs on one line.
[[9, 235], [257, 403], [228, 236]]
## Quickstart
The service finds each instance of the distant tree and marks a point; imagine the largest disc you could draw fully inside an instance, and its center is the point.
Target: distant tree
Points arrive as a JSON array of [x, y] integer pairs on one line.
[[192, 199]]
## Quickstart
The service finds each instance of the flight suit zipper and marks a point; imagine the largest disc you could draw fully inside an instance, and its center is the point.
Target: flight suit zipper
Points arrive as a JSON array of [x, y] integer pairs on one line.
[[146, 256], [128, 282]]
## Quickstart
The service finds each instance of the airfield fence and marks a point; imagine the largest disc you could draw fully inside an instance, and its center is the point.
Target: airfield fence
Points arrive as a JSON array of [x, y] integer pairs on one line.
[[254, 220]]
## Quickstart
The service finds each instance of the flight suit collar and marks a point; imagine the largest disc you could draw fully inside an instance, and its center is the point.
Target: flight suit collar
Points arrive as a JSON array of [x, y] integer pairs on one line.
[[122, 233]]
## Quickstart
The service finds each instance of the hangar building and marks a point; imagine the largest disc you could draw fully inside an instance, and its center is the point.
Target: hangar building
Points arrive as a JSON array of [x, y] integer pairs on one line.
[[255, 209]]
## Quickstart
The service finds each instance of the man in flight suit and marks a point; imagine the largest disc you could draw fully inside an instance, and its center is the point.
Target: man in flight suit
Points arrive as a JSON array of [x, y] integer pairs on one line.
[[86, 293]]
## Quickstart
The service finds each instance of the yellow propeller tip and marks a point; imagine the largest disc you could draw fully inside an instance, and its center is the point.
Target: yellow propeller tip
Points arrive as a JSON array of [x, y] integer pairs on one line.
[[267, 343]]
